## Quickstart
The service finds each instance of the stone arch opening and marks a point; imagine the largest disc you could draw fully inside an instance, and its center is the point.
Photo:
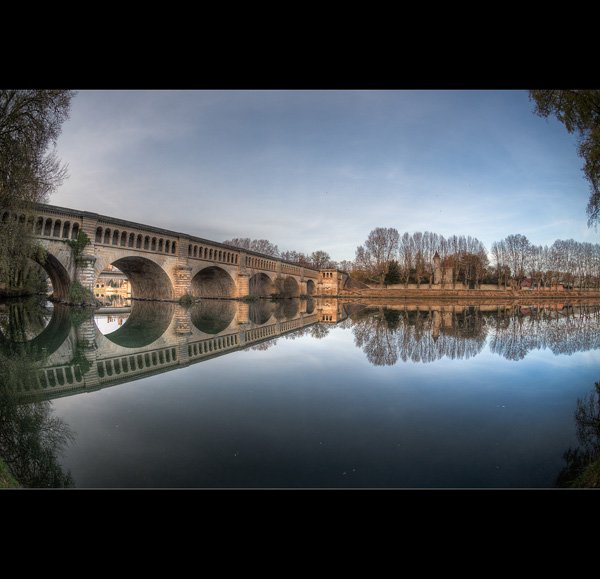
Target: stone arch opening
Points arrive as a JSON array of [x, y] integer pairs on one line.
[[148, 280], [261, 285], [310, 287], [213, 282], [145, 324], [59, 276], [291, 289], [214, 316]]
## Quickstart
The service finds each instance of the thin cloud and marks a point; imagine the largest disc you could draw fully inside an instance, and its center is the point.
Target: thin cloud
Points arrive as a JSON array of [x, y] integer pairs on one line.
[[319, 169]]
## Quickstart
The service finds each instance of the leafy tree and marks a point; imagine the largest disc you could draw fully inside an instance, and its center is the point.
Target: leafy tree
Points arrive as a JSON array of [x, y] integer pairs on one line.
[[393, 273], [30, 123], [579, 111]]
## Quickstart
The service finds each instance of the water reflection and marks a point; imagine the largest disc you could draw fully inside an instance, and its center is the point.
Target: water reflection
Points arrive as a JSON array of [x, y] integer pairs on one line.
[[213, 316], [146, 322], [427, 333], [79, 353], [53, 352], [154, 337], [583, 463], [31, 438]]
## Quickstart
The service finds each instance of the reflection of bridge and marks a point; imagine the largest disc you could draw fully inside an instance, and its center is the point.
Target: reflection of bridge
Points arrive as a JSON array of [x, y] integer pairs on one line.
[[157, 337], [160, 264]]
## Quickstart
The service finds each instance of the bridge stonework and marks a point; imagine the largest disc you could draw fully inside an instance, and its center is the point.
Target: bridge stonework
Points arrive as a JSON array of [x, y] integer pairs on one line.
[[160, 264]]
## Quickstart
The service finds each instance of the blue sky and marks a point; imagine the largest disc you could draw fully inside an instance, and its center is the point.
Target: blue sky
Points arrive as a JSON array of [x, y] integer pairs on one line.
[[315, 170]]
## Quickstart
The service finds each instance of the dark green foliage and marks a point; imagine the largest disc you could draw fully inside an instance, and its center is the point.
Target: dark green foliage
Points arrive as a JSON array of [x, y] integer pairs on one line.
[[79, 295], [583, 463], [392, 317], [393, 273], [78, 245], [186, 300], [579, 111], [30, 123], [80, 360], [31, 438]]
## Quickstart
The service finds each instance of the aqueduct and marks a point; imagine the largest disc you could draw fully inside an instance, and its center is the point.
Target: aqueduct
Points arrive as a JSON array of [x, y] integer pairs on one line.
[[160, 264]]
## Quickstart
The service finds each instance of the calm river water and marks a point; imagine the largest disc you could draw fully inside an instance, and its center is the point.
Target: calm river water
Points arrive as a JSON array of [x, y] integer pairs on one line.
[[294, 394]]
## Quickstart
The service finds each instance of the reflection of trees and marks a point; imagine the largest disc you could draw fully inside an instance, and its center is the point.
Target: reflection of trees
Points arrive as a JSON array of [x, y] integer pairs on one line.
[[318, 331], [286, 309], [518, 329], [425, 334], [262, 346], [583, 463], [24, 320], [31, 439], [386, 334], [260, 311]]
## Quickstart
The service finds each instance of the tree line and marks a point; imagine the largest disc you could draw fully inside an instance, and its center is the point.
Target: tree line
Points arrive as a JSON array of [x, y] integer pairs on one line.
[[388, 257]]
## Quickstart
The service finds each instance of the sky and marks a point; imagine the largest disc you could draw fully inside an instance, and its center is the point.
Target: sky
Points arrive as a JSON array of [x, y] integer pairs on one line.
[[318, 170]]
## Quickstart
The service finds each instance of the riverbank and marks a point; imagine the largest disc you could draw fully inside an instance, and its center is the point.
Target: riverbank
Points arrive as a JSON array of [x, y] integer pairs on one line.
[[7, 480], [472, 295]]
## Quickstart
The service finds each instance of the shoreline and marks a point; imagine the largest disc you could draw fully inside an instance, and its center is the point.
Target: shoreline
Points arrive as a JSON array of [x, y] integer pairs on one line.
[[443, 294]]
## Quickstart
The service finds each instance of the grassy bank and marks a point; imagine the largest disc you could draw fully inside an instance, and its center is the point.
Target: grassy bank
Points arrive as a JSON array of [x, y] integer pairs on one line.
[[7, 481], [589, 478]]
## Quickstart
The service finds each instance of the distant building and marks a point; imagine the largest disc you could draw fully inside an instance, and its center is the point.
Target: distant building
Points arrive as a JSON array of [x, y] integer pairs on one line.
[[441, 274]]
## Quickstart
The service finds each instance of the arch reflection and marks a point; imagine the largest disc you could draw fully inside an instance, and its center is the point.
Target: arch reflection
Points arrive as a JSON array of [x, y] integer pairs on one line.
[[147, 321], [213, 316], [34, 328]]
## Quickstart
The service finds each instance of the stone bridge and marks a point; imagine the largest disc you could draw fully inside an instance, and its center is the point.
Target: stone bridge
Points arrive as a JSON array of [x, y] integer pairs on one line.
[[156, 337], [160, 264]]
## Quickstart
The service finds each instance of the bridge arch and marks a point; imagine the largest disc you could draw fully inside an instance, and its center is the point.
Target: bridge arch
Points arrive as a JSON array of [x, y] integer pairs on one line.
[[291, 289], [57, 272], [261, 285], [148, 279], [212, 282], [310, 287]]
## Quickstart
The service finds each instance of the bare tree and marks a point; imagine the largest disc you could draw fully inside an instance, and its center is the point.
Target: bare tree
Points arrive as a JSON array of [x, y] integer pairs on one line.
[[379, 249], [406, 256], [263, 246], [320, 259]]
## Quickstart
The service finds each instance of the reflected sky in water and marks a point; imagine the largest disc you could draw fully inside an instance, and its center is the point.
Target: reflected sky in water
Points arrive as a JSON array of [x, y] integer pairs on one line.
[[374, 401]]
